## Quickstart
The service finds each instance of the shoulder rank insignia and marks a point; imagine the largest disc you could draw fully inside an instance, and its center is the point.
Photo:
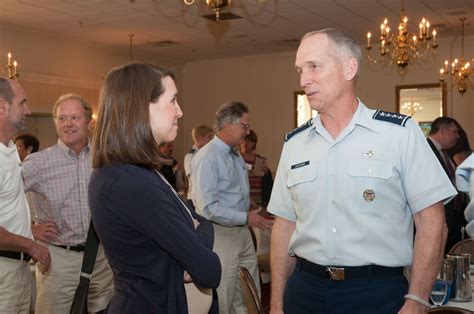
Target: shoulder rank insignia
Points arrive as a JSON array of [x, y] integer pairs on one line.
[[302, 127], [192, 150], [391, 117]]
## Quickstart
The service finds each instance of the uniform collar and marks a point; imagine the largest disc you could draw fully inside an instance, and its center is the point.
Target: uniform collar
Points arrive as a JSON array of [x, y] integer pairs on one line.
[[362, 117]]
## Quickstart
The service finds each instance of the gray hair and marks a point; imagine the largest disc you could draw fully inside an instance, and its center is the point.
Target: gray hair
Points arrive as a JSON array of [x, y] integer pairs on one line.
[[230, 112], [6, 90], [346, 45]]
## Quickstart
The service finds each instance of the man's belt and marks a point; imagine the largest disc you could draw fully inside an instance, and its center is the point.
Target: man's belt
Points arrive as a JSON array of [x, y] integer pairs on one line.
[[348, 272], [16, 255], [75, 248]]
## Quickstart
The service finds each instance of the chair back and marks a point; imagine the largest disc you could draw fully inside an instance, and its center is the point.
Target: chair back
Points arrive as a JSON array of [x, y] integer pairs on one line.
[[448, 310], [467, 246], [249, 292]]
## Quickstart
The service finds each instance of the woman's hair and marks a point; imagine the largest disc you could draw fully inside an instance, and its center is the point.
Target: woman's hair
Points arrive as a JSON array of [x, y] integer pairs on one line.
[[123, 133], [252, 137]]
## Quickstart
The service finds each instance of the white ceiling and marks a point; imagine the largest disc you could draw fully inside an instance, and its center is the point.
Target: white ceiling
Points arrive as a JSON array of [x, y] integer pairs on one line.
[[171, 30]]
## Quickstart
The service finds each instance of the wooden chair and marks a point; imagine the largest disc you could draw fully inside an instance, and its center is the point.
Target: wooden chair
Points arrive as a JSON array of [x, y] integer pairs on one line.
[[448, 310], [249, 292], [467, 246]]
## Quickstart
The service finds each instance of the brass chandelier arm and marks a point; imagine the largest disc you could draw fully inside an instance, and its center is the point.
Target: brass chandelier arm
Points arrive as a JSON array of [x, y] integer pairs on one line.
[[11, 68], [402, 47], [460, 71]]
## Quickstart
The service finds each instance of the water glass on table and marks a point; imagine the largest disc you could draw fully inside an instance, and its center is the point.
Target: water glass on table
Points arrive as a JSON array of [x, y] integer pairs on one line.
[[439, 292]]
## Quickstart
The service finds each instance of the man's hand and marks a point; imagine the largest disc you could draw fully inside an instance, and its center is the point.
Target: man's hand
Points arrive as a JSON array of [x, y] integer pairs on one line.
[[47, 232], [41, 255], [256, 220]]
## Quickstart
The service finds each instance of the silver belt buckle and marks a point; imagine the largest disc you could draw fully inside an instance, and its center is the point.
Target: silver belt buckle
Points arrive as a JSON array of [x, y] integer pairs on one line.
[[335, 273]]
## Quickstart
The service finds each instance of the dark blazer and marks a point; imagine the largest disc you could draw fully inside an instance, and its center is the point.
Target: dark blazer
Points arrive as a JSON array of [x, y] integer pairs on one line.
[[149, 240], [454, 216]]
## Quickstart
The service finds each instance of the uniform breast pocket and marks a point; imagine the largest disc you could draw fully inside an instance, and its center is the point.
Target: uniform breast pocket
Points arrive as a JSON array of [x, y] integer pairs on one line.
[[302, 184], [369, 184]]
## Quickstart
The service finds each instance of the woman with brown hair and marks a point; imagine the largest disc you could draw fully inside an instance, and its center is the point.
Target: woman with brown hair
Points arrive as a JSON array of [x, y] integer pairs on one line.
[[154, 243], [260, 176]]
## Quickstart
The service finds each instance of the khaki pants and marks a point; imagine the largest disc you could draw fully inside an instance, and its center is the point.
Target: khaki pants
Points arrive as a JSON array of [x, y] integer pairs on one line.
[[56, 288], [235, 248], [15, 286]]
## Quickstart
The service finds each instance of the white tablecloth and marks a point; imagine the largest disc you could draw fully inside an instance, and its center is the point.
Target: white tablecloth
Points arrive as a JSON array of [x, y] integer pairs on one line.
[[465, 305]]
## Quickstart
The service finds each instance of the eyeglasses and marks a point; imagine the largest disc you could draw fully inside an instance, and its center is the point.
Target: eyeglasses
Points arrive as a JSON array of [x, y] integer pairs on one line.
[[73, 118], [246, 126]]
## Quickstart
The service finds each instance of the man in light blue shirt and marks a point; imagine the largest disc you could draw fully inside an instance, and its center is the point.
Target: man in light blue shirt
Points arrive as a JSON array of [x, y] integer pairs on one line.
[[349, 186], [221, 194]]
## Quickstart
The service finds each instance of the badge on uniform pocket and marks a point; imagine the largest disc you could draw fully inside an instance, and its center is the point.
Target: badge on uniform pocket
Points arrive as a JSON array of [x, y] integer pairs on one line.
[[368, 195]]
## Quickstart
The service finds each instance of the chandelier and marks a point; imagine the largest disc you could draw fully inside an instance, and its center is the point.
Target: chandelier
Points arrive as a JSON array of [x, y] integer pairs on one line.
[[10, 69], [403, 48], [410, 108], [460, 70], [216, 5]]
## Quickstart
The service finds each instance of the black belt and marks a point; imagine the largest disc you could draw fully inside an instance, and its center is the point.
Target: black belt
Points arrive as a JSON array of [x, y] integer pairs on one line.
[[16, 255], [348, 272], [75, 248]]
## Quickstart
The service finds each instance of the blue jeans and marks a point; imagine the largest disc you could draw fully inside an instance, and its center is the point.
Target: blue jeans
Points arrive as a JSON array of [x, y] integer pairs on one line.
[[309, 293]]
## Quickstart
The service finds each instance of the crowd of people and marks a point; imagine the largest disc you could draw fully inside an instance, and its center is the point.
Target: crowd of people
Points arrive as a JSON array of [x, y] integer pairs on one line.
[[347, 196]]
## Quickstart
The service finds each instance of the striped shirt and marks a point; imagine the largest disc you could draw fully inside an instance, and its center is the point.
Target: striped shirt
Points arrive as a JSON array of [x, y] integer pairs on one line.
[[61, 178]]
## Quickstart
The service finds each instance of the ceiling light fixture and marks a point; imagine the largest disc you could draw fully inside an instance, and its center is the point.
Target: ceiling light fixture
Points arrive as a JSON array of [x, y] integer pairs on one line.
[[403, 48], [460, 70], [11, 68], [216, 5]]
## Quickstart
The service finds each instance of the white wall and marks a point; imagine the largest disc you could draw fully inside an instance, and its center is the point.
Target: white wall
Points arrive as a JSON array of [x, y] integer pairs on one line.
[[51, 65], [267, 84]]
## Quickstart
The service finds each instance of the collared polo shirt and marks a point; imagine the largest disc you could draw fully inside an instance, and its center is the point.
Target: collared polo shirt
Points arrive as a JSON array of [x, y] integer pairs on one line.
[[14, 210]]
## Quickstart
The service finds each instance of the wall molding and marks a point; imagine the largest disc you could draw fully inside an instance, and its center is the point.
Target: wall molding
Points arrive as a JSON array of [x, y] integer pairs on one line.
[[58, 80]]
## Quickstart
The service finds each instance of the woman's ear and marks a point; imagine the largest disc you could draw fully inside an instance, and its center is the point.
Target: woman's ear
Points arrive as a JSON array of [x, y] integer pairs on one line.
[[29, 149]]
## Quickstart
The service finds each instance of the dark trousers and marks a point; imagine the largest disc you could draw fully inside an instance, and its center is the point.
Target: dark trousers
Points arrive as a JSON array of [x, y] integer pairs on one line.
[[309, 293]]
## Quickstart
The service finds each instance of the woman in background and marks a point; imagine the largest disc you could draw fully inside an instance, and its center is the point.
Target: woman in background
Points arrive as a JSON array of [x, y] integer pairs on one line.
[[260, 177], [152, 240]]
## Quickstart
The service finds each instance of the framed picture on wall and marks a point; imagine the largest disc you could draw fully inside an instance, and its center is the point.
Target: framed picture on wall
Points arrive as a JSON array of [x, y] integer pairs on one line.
[[425, 127]]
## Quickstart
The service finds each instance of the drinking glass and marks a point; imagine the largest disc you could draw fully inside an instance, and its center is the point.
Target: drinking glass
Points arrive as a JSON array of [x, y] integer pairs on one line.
[[439, 292]]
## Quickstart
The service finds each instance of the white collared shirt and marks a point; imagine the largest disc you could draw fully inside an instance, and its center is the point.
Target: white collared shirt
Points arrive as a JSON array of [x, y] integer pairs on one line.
[[14, 210]]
